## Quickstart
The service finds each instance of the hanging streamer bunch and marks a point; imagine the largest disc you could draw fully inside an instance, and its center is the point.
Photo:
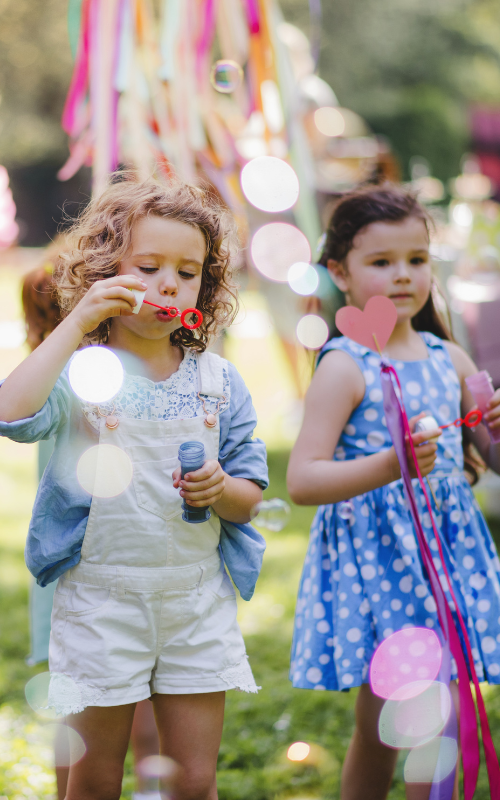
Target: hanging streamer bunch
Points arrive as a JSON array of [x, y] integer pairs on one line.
[[149, 92]]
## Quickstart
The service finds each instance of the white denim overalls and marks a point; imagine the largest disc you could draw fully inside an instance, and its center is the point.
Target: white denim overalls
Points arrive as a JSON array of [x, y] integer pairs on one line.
[[149, 608]]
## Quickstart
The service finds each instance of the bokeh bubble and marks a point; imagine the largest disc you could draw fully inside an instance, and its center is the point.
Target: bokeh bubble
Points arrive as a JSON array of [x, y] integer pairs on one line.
[[226, 75], [96, 374], [156, 773], [346, 510], [462, 215], [269, 184], [104, 470], [68, 746], [298, 751], [303, 278], [414, 722], [407, 661], [329, 121], [275, 247], [312, 331], [271, 514], [36, 692], [432, 762]]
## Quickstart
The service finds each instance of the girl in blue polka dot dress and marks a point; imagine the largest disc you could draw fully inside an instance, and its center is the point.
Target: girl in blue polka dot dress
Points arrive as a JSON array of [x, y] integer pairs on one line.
[[363, 576]]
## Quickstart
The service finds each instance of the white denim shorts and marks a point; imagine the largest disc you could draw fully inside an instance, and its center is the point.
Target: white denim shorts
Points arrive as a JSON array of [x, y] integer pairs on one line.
[[120, 635]]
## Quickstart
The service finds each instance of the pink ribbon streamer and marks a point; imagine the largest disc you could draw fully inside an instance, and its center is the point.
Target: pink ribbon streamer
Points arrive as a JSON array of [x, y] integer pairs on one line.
[[207, 35], [253, 16], [79, 80], [468, 723]]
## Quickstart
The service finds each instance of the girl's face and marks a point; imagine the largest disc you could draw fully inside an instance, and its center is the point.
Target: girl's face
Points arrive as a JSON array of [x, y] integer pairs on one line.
[[390, 259], [168, 255]]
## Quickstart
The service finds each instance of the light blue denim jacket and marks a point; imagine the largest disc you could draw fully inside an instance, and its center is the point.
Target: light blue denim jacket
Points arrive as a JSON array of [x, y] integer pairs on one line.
[[61, 507]]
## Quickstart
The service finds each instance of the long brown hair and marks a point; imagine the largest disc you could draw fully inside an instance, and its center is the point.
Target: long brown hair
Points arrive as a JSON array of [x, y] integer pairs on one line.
[[390, 203], [102, 236]]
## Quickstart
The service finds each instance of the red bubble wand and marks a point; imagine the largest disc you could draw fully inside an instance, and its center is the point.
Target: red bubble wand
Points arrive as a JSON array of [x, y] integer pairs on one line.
[[174, 312]]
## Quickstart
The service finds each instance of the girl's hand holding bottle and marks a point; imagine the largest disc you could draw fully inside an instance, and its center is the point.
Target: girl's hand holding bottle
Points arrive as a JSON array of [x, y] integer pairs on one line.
[[203, 487], [492, 417]]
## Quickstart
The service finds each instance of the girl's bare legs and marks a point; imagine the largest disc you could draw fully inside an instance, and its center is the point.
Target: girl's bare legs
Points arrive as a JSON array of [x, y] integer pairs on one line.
[[190, 730], [144, 737], [106, 733], [369, 765]]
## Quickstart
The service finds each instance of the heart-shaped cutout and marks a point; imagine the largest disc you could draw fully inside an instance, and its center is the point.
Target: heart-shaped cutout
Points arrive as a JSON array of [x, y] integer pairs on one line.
[[379, 317]]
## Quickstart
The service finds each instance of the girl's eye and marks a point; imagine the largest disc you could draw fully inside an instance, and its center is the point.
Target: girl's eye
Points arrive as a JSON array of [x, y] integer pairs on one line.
[[418, 260], [186, 274], [149, 270], [381, 262]]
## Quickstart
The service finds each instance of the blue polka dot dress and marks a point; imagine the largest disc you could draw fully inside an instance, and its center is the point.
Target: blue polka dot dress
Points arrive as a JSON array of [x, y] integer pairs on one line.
[[363, 576]]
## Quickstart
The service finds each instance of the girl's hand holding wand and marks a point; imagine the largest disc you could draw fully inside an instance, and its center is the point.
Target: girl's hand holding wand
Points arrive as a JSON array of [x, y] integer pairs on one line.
[[106, 298], [425, 446]]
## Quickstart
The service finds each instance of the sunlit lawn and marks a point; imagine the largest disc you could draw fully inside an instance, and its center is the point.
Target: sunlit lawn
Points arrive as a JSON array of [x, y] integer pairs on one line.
[[258, 728]]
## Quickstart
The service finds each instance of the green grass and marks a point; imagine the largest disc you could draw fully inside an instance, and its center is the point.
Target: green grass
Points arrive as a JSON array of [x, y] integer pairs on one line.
[[258, 728]]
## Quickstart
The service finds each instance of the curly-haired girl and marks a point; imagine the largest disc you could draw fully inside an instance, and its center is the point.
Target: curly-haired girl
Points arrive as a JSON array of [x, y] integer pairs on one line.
[[144, 606]]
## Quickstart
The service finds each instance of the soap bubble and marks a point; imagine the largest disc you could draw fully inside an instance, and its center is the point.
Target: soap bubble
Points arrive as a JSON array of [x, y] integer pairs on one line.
[[432, 762], [298, 751], [303, 278], [156, 772], [414, 722], [36, 692], [312, 332], [96, 374], [226, 76], [271, 514], [104, 470], [275, 247], [346, 510], [407, 661], [269, 184], [67, 744]]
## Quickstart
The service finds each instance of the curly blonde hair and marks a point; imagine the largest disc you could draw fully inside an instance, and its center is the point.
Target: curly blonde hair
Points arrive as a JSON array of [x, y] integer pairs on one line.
[[101, 237]]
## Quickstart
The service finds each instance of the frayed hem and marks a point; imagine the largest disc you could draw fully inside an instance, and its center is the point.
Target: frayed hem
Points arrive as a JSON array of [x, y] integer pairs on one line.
[[239, 676]]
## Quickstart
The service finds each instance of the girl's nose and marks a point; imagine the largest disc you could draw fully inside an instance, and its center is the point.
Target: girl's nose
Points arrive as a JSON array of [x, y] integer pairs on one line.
[[402, 271], [168, 284]]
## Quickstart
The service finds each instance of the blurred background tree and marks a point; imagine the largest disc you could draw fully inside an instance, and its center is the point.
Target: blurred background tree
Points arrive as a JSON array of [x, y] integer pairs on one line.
[[411, 68]]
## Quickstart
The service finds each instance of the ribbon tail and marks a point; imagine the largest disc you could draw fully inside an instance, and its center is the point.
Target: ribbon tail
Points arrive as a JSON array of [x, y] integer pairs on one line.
[[397, 425]]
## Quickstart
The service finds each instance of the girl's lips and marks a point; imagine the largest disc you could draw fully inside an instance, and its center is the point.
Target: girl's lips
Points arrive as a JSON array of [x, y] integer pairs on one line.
[[163, 316]]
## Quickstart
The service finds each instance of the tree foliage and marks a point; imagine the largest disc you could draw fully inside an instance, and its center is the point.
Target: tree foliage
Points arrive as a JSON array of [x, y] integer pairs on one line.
[[412, 68]]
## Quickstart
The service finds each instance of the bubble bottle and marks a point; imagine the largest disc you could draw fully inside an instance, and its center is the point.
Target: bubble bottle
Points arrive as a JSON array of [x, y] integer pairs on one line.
[[481, 387], [192, 457]]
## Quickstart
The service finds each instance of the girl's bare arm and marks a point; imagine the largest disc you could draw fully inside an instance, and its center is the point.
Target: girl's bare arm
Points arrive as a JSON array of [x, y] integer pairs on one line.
[[27, 388], [313, 478]]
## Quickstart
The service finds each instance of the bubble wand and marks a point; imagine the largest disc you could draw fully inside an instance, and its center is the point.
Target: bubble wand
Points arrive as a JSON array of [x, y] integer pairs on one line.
[[375, 325], [172, 311]]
